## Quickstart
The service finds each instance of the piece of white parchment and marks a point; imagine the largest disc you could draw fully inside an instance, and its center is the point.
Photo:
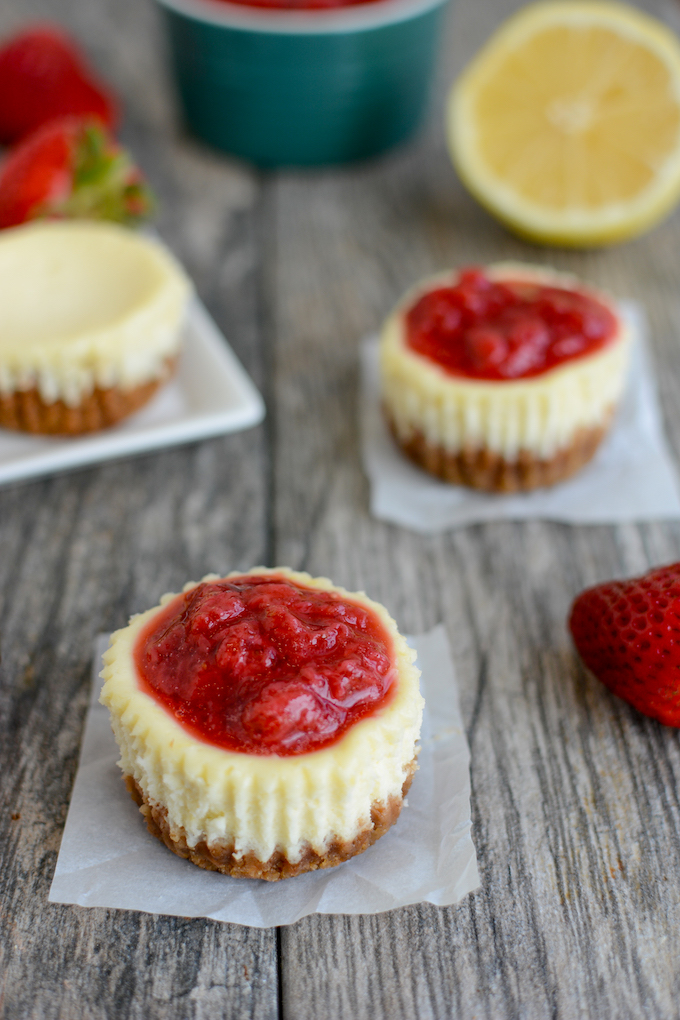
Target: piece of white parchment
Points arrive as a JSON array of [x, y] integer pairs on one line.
[[631, 478], [108, 858]]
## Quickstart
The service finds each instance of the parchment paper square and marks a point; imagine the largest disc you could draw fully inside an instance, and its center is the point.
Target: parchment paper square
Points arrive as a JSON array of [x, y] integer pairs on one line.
[[108, 858]]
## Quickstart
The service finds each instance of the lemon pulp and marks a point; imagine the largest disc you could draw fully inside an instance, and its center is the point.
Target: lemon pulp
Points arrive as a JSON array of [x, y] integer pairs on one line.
[[567, 123]]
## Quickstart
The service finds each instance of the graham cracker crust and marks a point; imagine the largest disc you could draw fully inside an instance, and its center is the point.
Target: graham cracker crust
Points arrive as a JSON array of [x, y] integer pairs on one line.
[[483, 469], [220, 857], [26, 411]]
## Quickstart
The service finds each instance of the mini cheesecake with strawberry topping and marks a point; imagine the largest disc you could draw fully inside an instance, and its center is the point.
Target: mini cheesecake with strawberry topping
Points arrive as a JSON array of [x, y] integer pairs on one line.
[[505, 378], [91, 316], [267, 722]]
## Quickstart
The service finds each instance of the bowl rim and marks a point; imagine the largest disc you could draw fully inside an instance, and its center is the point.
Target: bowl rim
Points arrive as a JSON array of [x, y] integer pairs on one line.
[[355, 18]]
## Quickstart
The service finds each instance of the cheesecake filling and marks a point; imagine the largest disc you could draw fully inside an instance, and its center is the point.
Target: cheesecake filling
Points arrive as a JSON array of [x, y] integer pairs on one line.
[[85, 306], [258, 799], [514, 382]]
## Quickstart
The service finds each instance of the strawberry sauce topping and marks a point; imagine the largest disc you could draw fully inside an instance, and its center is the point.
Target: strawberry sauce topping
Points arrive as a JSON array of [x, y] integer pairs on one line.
[[261, 665], [514, 329], [299, 5]]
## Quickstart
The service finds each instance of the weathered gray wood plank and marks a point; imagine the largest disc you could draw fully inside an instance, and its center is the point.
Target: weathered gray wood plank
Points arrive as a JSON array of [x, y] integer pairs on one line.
[[576, 817], [80, 552]]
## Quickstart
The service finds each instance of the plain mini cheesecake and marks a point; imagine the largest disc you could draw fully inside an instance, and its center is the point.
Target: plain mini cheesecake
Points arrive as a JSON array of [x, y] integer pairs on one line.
[[90, 324], [505, 378], [267, 722]]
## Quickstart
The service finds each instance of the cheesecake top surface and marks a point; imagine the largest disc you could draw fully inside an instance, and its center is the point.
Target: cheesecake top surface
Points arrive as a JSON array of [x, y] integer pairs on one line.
[[507, 322], [65, 282]]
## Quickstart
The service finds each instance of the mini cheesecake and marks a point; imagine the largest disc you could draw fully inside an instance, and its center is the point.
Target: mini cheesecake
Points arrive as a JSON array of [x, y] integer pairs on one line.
[[505, 378], [90, 324], [267, 722]]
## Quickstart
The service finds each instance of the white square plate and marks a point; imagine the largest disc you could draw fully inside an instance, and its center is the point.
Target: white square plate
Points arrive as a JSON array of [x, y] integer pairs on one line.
[[209, 395]]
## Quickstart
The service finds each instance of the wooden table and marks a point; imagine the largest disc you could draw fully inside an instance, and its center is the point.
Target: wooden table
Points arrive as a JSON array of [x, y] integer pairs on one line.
[[575, 805]]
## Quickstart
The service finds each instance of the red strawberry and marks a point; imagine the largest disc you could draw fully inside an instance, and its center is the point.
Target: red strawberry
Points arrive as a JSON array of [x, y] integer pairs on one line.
[[43, 75], [71, 169], [628, 635]]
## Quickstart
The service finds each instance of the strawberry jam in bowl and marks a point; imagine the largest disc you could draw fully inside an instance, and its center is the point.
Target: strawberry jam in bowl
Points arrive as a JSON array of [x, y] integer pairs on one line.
[[505, 378], [299, 5], [267, 721]]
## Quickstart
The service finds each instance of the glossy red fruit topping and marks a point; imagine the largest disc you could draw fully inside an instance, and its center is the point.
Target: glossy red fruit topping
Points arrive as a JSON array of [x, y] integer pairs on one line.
[[68, 169], [262, 665], [488, 329], [628, 635], [299, 5], [43, 75]]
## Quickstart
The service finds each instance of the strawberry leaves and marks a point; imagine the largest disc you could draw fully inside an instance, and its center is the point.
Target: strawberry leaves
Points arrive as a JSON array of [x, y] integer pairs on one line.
[[72, 169]]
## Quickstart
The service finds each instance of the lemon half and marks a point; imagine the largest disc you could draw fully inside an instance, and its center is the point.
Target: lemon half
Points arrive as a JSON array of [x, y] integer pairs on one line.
[[566, 125]]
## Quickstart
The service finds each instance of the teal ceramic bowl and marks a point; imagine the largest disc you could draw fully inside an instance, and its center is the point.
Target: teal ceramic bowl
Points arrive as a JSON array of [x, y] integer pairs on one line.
[[302, 88]]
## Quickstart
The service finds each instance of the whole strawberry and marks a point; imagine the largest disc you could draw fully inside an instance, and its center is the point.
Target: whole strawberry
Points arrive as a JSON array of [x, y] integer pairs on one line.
[[71, 169], [43, 75], [628, 634]]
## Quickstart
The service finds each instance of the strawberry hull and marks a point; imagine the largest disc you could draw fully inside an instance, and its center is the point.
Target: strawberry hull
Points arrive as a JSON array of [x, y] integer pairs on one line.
[[71, 169], [627, 633]]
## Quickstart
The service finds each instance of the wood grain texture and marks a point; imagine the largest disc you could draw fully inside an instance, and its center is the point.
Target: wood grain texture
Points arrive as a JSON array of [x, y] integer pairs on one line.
[[576, 817], [80, 552], [575, 806]]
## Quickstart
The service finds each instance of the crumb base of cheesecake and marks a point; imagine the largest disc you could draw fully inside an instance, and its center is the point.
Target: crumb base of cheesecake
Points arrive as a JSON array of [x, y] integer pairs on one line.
[[489, 471], [220, 856], [26, 411]]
